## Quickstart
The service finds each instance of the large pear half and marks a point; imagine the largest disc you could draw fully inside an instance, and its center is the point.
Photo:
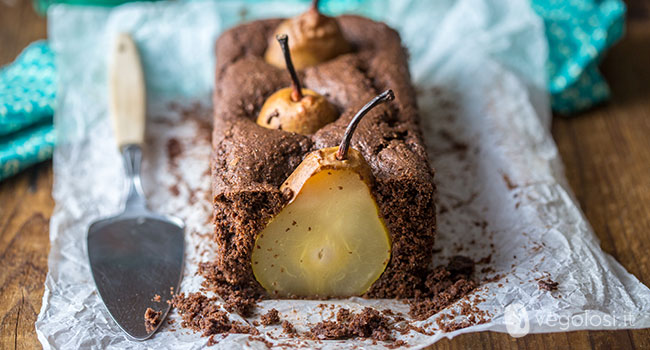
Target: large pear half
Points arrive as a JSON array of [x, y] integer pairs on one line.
[[330, 240]]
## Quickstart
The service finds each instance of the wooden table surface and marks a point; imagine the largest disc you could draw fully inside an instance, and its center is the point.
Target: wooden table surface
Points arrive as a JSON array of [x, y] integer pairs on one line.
[[606, 153]]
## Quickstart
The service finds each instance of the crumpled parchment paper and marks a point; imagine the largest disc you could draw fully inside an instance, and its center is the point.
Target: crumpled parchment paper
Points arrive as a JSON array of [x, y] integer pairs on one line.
[[478, 69]]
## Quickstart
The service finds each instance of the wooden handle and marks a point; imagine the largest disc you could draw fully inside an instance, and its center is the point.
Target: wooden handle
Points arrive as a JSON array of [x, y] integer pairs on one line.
[[127, 103]]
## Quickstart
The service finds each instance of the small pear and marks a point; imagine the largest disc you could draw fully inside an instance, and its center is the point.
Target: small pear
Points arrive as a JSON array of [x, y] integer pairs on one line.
[[295, 109], [315, 38], [330, 240]]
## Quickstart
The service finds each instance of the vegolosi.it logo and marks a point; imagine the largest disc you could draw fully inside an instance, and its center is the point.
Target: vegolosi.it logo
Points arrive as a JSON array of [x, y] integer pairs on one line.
[[516, 319]]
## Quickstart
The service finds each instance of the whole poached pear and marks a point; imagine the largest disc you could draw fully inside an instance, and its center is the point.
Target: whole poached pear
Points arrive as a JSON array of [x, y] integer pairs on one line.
[[295, 109], [315, 38]]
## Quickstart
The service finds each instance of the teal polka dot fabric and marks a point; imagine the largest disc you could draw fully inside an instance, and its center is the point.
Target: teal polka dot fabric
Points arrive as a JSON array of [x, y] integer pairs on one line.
[[578, 33], [27, 102], [26, 147]]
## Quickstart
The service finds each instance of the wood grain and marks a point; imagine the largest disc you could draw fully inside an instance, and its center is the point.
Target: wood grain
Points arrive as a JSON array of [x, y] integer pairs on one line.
[[606, 153], [25, 209]]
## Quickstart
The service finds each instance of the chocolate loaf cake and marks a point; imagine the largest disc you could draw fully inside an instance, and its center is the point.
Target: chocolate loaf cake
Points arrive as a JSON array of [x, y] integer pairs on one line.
[[250, 162]]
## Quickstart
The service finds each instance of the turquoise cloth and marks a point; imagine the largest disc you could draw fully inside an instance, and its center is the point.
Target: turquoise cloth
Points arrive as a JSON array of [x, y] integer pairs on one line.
[[578, 33], [27, 99]]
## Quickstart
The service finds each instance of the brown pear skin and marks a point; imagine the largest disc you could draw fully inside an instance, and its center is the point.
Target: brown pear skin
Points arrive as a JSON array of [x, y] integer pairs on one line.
[[315, 38], [323, 160], [305, 116]]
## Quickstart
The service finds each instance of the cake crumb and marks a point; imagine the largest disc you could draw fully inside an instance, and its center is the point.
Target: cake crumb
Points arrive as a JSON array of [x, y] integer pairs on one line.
[[212, 341], [369, 323], [151, 319], [444, 286], [509, 184], [174, 150], [267, 343], [397, 344], [547, 285], [203, 314], [288, 328], [270, 318]]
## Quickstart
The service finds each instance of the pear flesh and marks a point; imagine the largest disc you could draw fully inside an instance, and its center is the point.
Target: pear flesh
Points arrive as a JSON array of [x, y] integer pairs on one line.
[[330, 240], [305, 116]]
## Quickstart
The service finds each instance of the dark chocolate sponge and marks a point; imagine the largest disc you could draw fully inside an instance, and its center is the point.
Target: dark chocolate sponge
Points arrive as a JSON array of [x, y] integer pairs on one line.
[[250, 162]]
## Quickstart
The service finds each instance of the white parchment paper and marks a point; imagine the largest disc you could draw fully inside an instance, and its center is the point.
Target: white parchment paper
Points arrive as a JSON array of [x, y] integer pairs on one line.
[[478, 69]]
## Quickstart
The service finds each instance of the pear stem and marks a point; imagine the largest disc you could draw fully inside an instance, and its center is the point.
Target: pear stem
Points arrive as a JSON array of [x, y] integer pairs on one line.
[[314, 5], [342, 153], [296, 94]]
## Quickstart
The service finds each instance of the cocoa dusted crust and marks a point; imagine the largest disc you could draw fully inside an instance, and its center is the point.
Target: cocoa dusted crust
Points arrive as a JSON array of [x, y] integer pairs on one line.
[[250, 162]]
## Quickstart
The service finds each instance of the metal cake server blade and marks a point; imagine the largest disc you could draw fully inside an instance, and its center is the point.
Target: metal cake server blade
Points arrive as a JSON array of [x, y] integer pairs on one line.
[[136, 255]]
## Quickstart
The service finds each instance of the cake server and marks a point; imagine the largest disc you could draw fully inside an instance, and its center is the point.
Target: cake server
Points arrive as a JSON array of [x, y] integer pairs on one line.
[[136, 257]]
